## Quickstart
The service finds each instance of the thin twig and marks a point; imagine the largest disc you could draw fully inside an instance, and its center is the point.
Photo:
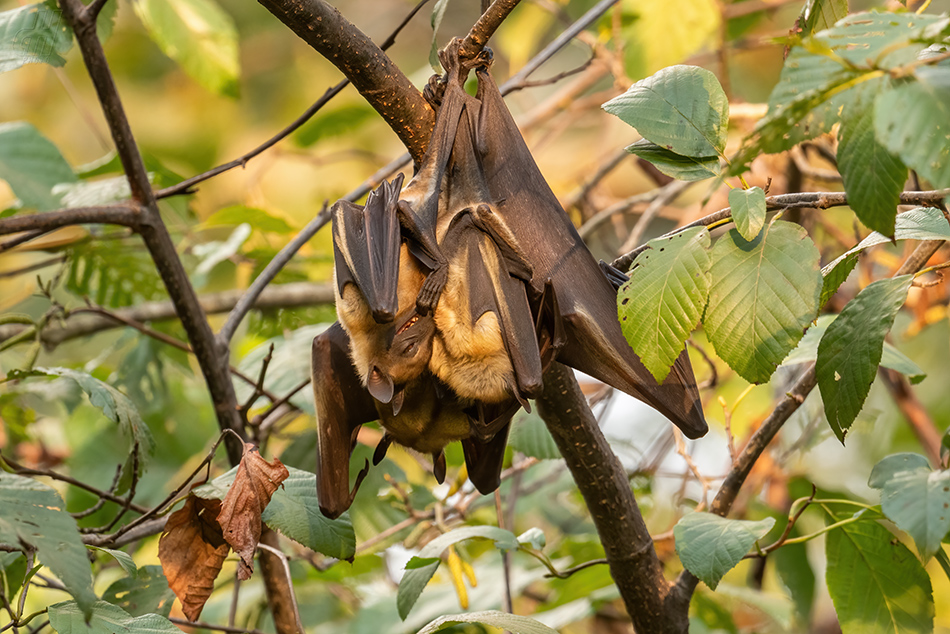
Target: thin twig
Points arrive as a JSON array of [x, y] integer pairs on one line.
[[210, 626], [123, 214], [667, 194]]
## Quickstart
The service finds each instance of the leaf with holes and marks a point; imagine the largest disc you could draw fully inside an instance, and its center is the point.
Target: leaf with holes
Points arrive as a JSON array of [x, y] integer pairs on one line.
[[680, 108], [684, 168], [32, 166], [710, 546], [915, 498], [764, 294], [664, 298], [875, 582], [850, 350], [146, 592], [32, 513], [748, 211], [818, 15], [913, 122], [199, 36], [34, 33]]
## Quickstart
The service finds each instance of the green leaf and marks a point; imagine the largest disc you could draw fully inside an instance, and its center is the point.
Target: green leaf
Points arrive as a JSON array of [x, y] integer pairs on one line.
[[32, 165], [710, 546], [918, 501], [514, 623], [533, 537], [257, 218], [684, 168], [34, 514], [681, 108], [530, 436], [793, 568], [850, 350], [873, 177], [295, 512], [748, 211], [664, 299], [438, 12], [145, 593], [896, 463], [419, 569], [106, 619], [891, 358], [913, 121], [818, 15], [764, 294], [199, 36], [876, 583], [116, 406], [34, 33], [920, 223], [125, 561], [12, 572], [884, 40]]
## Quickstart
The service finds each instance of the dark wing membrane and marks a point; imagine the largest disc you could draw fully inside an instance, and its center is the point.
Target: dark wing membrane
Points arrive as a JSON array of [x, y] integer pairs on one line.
[[342, 404], [484, 459]]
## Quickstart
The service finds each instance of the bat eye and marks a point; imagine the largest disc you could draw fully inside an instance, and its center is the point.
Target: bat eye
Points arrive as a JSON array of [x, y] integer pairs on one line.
[[409, 348]]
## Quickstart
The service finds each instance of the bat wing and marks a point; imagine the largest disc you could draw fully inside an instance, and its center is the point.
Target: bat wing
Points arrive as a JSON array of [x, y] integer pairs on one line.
[[587, 301], [484, 459], [366, 243], [342, 404]]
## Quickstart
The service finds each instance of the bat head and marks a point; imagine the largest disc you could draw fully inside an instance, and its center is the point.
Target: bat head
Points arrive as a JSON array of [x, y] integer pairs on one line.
[[401, 359]]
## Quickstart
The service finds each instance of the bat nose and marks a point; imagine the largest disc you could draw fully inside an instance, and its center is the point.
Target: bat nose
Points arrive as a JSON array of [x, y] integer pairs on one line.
[[383, 315]]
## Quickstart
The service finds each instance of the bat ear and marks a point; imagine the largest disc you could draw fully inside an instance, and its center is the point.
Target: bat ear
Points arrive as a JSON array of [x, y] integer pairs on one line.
[[380, 385]]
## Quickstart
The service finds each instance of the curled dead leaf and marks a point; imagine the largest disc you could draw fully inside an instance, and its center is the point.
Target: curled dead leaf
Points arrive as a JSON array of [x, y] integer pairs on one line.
[[192, 549], [240, 517]]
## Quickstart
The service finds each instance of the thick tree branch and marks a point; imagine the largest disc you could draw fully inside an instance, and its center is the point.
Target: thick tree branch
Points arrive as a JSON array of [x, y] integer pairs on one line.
[[370, 70], [485, 27], [153, 230], [602, 481]]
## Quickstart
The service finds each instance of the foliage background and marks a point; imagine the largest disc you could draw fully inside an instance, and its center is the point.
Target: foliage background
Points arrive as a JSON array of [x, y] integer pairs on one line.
[[187, 129]]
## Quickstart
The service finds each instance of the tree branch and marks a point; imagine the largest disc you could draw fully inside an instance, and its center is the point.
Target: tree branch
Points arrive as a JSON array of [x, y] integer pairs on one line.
[[370, 70], [126, 215], [811, 200], [153, 230], [485, 27], [602, 481]]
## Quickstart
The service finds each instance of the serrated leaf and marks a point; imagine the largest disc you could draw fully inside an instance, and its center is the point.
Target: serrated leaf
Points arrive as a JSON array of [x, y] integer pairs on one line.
[[764, 294], [920, 223], [199, 36], [876, 583], [918, 501], [419, 570], [748, 211], [116, 406], [124, 560], [873, 176], [257, 218], [850, 350], [32, 165], [34, 514], [295, 512], [710, 546], [106, 619], [530, 436], [513, 623], [891, 358], [684, 168], [664, 299], [913, 121], [680, 108], [145, 593], [34, 33]]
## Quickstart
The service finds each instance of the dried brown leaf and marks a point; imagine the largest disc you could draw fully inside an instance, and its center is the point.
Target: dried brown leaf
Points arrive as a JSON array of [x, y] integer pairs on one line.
[[241, 509], [192, 549]]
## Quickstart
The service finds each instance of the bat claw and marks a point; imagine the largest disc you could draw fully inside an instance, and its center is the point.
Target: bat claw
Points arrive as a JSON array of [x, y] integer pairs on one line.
[[438, 466], [431, 291]]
